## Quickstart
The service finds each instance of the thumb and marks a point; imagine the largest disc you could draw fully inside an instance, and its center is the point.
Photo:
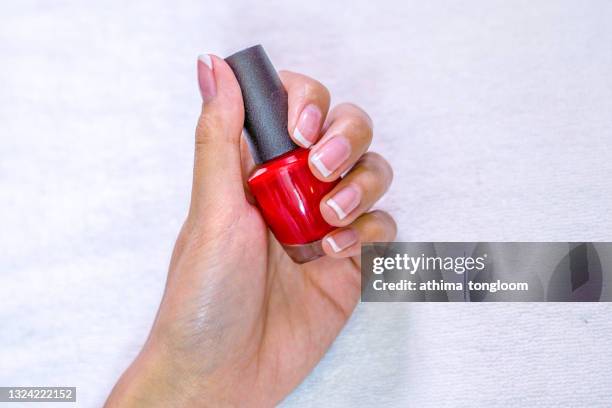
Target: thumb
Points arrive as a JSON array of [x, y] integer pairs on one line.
[[217, 176]]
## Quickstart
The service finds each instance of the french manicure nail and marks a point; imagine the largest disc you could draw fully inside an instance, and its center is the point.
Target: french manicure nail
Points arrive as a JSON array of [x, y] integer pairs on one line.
[[331, 155], [345, 201], [342, 240], [308, 124], [206, 77]]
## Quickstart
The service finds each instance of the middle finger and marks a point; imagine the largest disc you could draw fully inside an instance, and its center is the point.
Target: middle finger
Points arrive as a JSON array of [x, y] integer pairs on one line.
[[347, 136]]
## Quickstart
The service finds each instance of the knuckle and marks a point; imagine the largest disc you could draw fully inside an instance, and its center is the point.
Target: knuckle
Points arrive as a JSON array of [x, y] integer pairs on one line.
[[360, 130], [376, 164], [358, 113], [371, 160], [377, 229], [312, 87], [204, 129], [370, 179], [212, 128], [305, 86], [389, 171], [383, 167], [386, 225]]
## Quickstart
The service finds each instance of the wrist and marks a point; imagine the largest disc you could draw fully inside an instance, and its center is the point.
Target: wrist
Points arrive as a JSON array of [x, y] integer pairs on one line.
[[153, 380]]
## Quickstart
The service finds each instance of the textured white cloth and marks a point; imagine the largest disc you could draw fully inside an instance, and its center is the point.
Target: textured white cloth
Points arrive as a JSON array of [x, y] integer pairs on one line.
[[497, 117]]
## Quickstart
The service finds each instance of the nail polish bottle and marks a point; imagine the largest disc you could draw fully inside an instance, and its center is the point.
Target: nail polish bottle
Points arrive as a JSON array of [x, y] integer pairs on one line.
[[287, 193]]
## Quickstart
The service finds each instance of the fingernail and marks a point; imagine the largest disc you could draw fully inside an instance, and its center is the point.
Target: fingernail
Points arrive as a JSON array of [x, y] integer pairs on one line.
[[342, 240], [308, 124], [345, 201], [206, 77], [331, 155]]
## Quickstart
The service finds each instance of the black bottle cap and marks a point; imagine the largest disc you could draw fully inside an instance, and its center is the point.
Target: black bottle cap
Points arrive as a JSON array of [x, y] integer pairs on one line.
[[265, 104]]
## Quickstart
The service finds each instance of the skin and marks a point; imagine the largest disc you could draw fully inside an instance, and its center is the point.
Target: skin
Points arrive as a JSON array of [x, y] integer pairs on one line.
[[240, 323]]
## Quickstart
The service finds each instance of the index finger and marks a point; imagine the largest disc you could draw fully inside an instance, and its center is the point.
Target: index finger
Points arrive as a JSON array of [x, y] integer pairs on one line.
[[308, 106]]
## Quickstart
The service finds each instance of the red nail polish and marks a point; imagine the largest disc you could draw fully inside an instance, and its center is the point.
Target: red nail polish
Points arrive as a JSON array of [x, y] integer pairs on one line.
[[286, 191]]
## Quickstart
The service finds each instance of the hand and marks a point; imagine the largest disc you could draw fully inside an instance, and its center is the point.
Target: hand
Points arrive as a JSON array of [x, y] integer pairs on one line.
[[240, 323]]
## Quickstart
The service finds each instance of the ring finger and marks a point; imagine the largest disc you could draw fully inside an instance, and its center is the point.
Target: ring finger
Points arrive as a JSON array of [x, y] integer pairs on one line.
[[357, 192]]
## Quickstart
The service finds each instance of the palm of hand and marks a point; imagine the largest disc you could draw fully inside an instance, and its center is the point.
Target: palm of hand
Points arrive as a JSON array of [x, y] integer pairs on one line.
[[239, 308]]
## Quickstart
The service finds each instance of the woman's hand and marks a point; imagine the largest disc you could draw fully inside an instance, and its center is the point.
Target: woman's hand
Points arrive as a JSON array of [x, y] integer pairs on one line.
[[240, 323]]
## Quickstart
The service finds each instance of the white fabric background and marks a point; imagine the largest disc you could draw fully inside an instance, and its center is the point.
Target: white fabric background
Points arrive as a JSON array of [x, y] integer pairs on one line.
[[497, 117]]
